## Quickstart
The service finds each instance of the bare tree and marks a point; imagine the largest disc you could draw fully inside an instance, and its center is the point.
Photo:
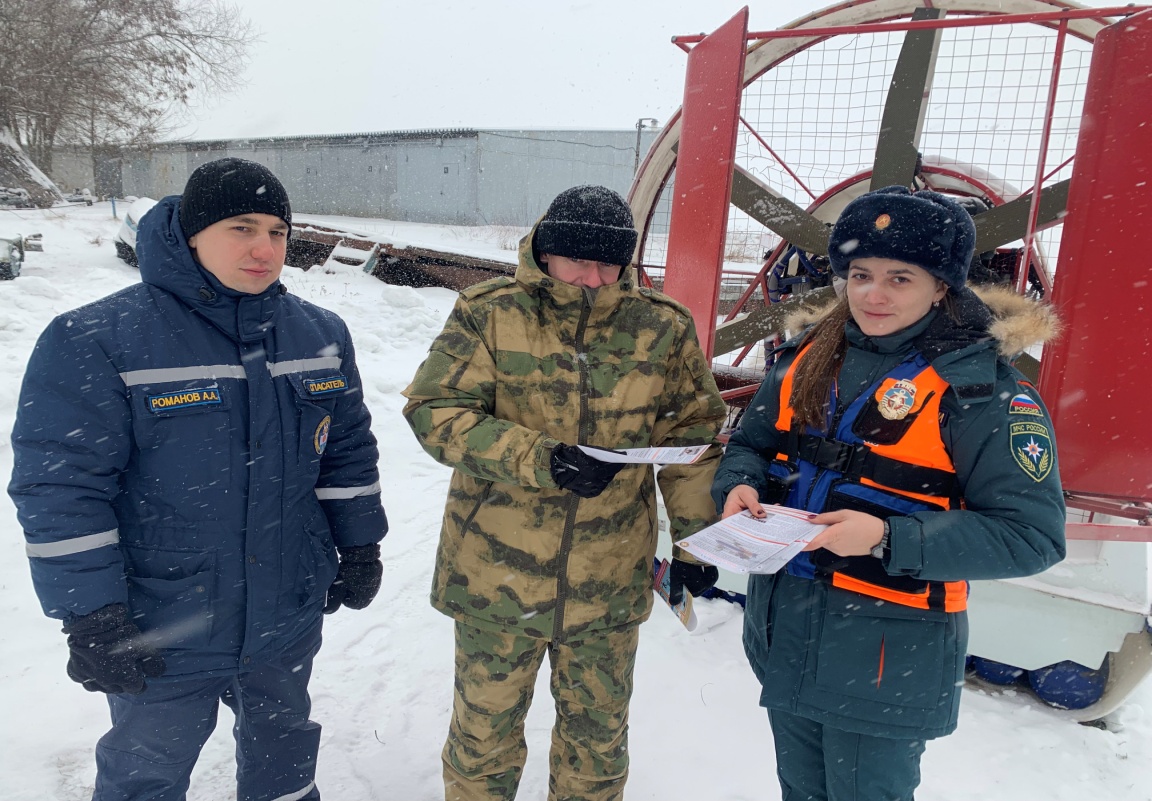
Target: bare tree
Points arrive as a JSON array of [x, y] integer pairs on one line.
[[104, 72]]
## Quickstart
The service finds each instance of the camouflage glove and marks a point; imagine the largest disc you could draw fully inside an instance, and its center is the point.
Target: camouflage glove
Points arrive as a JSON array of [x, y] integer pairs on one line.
[[357, 580], [579, 473], [108, 654], [697, 579]]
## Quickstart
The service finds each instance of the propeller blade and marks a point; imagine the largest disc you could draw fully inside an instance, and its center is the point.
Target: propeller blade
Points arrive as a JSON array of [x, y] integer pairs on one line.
[[1009, 222], [777, 213], [766, 320], [898, 145]]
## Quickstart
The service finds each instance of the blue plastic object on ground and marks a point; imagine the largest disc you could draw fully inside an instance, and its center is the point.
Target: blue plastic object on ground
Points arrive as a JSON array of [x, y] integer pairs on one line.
[[996, 672], [1069, 685]]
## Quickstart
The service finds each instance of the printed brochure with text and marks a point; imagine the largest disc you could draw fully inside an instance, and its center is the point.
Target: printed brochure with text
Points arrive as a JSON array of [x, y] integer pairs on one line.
[[746, 544], [686, 455]]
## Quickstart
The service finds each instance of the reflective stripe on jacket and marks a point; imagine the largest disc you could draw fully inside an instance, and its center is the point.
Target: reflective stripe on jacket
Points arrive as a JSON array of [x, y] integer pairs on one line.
[[863, 664], [196, 453]]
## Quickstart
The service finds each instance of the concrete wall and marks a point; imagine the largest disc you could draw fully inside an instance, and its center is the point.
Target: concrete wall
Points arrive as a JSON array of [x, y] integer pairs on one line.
[[157, 173], [521, 171], [456, 177], [72, 168]]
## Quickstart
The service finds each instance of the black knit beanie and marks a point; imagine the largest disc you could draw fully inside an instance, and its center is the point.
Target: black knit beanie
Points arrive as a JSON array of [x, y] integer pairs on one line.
[[924, 228], [228, 188], [587, 222]]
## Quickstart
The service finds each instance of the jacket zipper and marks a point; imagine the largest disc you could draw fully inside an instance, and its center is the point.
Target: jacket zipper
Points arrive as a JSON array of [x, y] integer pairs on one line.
[[573, 501], [832, 426]]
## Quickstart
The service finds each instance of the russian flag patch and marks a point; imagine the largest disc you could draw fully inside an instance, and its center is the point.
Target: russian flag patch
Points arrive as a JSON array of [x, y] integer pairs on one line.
[[1023, 404]]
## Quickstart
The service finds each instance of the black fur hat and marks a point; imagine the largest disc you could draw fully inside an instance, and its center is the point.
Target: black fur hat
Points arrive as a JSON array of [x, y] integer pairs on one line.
[[587, 222], [924, 228], [230, 187]]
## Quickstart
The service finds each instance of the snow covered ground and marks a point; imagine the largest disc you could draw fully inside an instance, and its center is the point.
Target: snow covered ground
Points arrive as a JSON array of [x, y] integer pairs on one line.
[[382, 683]]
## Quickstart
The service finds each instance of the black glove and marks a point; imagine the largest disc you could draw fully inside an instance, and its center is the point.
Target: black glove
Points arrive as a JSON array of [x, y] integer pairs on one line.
[[697, 579], [579, 473], [108, 654], [357, 580]]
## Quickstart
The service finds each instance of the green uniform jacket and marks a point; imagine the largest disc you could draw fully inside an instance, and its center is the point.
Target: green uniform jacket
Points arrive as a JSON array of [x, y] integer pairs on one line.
[[522, 365], [816, 648]]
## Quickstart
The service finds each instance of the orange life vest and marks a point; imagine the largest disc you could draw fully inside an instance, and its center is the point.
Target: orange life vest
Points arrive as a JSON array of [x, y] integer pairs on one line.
[[887, 458]]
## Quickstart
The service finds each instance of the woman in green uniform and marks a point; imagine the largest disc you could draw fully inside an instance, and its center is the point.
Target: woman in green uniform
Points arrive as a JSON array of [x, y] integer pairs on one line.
[[899, 422]]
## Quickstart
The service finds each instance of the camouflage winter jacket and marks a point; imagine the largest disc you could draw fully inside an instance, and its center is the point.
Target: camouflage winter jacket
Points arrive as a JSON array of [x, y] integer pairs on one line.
[[520, 366]]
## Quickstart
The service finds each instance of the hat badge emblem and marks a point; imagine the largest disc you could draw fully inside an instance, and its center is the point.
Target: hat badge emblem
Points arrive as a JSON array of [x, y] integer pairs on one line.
[[882, 222]]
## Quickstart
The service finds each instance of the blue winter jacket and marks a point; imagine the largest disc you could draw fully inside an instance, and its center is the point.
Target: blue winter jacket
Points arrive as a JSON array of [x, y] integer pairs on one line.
[[196, 453]]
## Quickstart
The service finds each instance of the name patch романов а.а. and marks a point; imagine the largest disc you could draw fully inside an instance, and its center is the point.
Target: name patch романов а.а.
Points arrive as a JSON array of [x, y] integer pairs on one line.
[[183, 399]]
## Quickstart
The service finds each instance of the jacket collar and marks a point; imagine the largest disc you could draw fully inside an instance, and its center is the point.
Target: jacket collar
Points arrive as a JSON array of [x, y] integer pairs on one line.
[[167, 263], [1018, 322], [530, 275], [889, 343]]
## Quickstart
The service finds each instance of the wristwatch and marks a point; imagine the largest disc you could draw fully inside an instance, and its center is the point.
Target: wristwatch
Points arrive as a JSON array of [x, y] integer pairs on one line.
[[882, 546]]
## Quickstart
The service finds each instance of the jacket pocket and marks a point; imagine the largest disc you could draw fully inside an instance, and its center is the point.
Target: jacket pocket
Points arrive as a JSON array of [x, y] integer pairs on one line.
[[187, 444], [318, 562], [315, 414], [758, 623], [882, 652], [467, 524], [171, 595]]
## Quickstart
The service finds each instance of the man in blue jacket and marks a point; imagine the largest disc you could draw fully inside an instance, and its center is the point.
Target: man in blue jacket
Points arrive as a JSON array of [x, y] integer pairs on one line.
[[197, 483]]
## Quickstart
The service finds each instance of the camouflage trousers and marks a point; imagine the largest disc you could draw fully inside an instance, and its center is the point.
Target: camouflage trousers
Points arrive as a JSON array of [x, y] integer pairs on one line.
[[591, 682]]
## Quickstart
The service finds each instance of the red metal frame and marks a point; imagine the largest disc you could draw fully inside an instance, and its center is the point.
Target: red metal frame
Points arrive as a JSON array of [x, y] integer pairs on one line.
[[760, 281], [1059, 19], [1119, 389], [974, 20], [1106, 459], [704, 166], [1095, 377], [1034, 208], [1101, 532], [776, 156], [1141, 512]]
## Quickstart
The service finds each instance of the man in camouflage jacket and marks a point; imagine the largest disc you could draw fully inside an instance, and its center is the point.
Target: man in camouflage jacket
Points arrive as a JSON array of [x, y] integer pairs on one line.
[[544, 550]]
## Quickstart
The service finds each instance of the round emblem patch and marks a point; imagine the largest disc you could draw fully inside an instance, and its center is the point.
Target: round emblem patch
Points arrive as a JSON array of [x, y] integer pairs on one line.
[[320, 438], [882, 222], [896, 402]]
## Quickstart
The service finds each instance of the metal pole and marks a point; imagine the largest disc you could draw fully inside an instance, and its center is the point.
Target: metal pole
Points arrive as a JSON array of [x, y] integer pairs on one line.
[[641, 124], [636, 163]]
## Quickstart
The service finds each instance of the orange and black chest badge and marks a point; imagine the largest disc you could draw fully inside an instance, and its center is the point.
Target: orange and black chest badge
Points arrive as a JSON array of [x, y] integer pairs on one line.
[[320, 438], [889, 413], [1031, 448], [896, 402]]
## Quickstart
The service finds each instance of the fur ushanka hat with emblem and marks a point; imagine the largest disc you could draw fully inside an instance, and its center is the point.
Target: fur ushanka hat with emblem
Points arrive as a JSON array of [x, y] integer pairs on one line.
[[924, 228], [587, 222]]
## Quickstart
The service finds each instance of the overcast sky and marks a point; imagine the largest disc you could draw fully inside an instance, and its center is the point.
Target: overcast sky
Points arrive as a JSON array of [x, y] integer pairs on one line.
[[347, 66]]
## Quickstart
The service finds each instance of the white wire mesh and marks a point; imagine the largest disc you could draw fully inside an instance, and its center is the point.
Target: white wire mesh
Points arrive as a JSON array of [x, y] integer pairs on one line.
[[819, 111]]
